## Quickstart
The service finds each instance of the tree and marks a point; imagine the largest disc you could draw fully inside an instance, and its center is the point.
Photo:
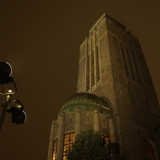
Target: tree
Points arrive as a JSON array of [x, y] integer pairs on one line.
[[90, 145]]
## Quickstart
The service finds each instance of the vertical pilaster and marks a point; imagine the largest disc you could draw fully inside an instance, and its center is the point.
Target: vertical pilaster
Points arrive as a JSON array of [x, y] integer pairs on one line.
[[96, 120], [112, 137], [61, 136], [112, 131], [78, 124], [94, 55], [50, 149]]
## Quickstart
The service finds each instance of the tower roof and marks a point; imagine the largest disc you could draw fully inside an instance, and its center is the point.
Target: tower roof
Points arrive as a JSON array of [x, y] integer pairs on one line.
[[85, 101]]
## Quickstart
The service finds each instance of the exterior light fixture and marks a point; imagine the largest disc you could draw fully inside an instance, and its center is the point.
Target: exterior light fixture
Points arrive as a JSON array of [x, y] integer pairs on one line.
[[5, 69], [14, 107], [5, 74]]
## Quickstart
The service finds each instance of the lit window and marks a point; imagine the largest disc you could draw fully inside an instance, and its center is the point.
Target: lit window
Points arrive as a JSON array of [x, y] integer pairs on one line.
[[149, 151], [68, 142], [55, 150]]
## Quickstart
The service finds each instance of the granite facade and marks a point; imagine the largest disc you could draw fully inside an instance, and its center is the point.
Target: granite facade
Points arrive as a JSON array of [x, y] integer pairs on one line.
[[115, 69]]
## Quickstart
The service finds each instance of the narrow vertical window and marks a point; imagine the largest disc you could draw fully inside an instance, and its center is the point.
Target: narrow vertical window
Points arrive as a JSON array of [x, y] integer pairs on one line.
[[92, 69], [87, 72], [126, 62], [136, 66], [97, 65], [149, 151], [55, 149], [132, 64], [68, 142]]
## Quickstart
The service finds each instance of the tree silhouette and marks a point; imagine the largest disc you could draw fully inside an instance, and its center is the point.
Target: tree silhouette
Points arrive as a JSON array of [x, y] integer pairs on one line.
[[89, 145]]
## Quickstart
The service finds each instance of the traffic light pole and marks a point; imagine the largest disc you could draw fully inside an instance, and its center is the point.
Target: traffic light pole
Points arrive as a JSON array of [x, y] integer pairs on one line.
[[5, 106], [17, 114]]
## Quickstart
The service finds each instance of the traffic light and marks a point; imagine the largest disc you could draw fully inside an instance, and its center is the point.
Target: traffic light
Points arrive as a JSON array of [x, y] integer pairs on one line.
[[14, 107], [5, 69], [5, 74], [17, 114]]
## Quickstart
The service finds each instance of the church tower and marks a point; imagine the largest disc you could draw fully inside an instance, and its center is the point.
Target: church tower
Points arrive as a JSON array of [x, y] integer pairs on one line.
[[115, 96], [112, 66]]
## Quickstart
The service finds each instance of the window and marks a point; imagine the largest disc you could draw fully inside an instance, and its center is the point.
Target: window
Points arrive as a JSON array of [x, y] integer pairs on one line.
[[70, 119], [55, 150], [68, 142], [92, 69], [97, 65], [106, 139], [149, 151]]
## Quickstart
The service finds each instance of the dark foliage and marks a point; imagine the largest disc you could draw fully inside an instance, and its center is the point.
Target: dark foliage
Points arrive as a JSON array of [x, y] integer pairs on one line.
[[90, 145]]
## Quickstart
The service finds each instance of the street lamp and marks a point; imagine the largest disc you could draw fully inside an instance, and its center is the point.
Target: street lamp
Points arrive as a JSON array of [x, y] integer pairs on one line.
[[14, 107]]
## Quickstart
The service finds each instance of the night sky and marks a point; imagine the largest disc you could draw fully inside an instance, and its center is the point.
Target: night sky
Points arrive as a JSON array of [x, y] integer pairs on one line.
[[41, 40]]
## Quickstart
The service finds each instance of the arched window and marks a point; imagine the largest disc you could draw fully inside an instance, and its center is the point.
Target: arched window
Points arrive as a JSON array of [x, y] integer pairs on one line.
[[149, 151]]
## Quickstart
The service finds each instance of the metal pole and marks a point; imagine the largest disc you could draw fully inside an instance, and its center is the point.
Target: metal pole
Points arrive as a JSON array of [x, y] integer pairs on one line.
[[4, 111]]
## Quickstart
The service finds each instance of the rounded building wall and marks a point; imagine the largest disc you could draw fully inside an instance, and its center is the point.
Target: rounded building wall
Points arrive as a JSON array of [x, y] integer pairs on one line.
[[80, 112], [80, 120]]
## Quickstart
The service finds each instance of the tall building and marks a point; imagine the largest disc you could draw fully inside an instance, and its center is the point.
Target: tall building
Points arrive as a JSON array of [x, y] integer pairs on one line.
[[115, 96]]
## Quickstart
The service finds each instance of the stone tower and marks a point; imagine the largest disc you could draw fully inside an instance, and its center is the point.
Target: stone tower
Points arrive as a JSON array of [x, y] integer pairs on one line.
[[115, 96], [112, 66]]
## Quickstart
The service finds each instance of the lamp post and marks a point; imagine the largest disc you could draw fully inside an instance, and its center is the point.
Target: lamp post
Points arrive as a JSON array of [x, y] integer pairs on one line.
[[17, 114]]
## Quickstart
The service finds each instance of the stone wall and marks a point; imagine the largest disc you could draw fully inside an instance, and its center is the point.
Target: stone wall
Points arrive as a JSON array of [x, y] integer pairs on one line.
[[124, 81]]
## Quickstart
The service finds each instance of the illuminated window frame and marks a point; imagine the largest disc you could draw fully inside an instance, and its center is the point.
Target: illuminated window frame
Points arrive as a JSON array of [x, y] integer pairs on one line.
[[55, 149], [69, 139], [149, 151]]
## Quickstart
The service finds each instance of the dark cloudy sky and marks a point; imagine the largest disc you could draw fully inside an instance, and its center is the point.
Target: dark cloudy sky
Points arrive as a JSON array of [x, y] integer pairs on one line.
[[41, 40]]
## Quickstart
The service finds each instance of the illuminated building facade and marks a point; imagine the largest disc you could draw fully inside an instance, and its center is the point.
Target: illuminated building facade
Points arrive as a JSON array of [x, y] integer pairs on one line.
[[115, 96], [81, 111]]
